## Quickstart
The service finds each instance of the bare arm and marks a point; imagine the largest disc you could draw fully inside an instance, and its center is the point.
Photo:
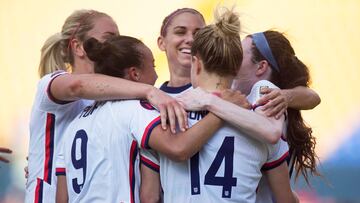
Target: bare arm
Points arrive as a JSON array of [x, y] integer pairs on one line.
[[70, 87], [257, 125], [183, 145], [279, 183], [278, 101], [150, 188], [61, 190]]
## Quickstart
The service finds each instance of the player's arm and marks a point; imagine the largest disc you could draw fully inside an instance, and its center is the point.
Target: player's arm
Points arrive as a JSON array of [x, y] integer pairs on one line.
[[70, 87], [277, 100], [61, 190], [183, 145], [150, 188], [279, 183], [257, 125]]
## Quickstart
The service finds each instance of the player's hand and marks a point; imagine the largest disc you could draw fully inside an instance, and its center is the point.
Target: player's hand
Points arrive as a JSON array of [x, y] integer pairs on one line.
[[276, 102], [5, 150], [194, 100], [169, 109], [236, 97]]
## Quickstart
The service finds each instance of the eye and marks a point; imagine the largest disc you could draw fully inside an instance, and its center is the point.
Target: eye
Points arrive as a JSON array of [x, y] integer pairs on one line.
[[180, 30]]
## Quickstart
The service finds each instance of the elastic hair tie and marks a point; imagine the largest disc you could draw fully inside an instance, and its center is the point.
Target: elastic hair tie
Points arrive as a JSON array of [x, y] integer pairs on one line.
[[262, 45]]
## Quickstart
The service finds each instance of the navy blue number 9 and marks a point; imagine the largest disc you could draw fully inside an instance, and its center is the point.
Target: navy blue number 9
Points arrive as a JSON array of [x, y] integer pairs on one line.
[[81, 162], [226, 152]]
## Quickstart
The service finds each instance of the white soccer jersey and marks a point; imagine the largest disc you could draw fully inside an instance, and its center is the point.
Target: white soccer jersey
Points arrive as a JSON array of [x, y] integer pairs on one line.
[[227, 169], [100, 152], [49, 118], [264, 194]]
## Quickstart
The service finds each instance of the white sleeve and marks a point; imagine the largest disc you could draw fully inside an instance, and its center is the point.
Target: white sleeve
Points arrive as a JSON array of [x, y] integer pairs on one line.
[[145, 119], [278, 153], [255, 91], [150, 159], [47, 101]]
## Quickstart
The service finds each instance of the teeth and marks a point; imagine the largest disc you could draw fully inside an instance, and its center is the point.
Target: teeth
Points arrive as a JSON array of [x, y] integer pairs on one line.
[[185, 51]]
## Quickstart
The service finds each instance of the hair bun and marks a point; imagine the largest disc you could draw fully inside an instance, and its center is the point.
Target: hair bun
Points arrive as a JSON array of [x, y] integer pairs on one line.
[[228, 22], [93, 49]]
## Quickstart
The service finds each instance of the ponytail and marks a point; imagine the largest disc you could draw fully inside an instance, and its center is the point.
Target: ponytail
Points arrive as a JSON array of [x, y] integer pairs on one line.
[[51, 59]]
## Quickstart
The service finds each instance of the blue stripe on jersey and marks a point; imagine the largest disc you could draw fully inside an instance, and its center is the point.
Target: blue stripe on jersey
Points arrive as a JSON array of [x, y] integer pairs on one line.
[[39, 191], [147, 132], [148, 163], [174, 90], [51, 97], [49, 147], [133, 155], [60, 172]]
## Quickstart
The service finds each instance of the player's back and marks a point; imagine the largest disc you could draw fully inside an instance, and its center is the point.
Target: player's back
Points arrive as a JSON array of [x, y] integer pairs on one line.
[[101, 156], [227, 169]]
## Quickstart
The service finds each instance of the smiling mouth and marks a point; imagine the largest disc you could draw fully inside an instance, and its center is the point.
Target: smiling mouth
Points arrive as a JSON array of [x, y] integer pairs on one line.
[[185, 51]]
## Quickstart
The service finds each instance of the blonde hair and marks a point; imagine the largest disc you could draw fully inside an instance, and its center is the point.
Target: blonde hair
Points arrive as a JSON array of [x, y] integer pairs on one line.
[[56, 52], [219, 44]]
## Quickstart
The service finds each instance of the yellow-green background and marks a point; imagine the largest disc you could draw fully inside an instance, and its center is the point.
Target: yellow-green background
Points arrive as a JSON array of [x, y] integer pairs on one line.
[[324, 33]]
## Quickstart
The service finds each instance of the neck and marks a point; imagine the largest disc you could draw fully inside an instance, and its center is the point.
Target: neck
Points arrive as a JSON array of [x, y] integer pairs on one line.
[[215, 83], [179, 76], [178, 81], [83, 67]]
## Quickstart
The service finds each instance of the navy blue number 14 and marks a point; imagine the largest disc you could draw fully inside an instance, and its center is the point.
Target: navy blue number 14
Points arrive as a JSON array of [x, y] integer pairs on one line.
[[226, 153], [81, 162]]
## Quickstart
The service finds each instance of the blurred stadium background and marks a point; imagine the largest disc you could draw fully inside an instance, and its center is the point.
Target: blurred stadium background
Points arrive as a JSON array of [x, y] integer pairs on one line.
[[324, 33]]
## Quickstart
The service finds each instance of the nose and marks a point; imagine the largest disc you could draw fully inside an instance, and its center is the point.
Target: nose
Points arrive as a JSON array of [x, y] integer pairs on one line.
[[189, 38]]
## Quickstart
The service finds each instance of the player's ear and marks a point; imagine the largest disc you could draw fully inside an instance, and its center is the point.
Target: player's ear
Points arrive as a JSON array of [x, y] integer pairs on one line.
[[161, 43], [133, 74], [196, 65], [262, 67], [77, 48]]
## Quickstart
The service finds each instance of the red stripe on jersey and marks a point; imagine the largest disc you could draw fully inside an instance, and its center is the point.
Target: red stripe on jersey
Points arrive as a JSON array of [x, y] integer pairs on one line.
[[147, 132], [133, 154], [147, 162], [275, 163], [38, 191], [60, 171], [49, 147]]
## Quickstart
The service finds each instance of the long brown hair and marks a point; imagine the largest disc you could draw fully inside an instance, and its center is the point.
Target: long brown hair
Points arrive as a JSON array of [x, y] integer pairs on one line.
[[292, 73]]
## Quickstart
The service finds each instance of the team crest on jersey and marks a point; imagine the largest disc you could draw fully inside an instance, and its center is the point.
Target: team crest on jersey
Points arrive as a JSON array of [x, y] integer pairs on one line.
[[146, 105]]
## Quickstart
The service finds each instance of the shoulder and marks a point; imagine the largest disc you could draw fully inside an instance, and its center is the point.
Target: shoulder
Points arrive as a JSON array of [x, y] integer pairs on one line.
[[263, 83], [255, 93]]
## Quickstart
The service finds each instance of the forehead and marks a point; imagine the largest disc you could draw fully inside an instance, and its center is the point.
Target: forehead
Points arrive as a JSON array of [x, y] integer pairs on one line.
[[187, 19], [103, 26], [246, 45]]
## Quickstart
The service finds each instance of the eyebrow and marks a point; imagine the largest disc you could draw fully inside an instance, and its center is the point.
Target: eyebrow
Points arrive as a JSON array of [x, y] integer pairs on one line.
[[110, 33]]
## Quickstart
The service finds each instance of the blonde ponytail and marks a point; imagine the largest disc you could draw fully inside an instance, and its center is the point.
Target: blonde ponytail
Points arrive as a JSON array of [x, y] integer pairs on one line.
[[56, 53], [51, 58]]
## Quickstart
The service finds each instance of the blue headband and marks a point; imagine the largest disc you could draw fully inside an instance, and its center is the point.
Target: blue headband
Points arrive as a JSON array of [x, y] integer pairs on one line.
[[264, 48]]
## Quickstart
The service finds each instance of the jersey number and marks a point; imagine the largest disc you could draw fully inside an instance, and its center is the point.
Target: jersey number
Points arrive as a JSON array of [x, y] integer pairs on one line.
[[79, 162], [226, 152]]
